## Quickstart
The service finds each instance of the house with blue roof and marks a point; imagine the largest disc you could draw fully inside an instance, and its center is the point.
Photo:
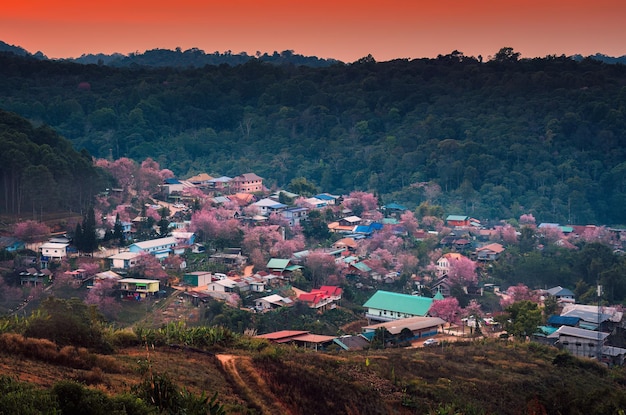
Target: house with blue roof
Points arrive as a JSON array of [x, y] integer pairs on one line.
[[172, 185], [388, 306]]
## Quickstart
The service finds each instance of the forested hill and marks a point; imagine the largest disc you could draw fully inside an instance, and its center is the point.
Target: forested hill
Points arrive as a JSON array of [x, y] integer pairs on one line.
[[501, 138], [40, 172]]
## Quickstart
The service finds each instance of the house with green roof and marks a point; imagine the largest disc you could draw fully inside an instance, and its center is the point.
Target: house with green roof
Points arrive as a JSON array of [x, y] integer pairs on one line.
[[388, 306], [282, 267]]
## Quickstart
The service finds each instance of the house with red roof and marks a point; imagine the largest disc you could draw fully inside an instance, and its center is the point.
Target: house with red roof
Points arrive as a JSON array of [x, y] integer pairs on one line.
[[323, 298]]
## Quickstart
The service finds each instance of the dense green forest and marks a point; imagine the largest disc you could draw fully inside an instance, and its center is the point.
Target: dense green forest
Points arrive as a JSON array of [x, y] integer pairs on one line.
[[498, 138], [41, 171]]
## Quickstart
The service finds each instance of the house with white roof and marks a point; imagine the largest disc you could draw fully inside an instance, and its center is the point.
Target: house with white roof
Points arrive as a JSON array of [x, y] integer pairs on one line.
[[268, 206], [124, 260], [51, 251], [272, 301], [160, 247]]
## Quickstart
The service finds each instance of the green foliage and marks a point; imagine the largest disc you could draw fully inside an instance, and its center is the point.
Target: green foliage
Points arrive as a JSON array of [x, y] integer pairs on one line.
[[554, 146], [178, 333], [68, 322], [523, 319], [159, 390]]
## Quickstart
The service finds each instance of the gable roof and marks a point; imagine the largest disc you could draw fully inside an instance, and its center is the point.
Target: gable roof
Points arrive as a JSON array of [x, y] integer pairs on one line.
[[578, 332], [154, 243], [394, 206], [560, 292], [247, 177], [457, 217], [403, 303], [497, 248], [563, 320], [277, 263], [411, 323], [202, 177]]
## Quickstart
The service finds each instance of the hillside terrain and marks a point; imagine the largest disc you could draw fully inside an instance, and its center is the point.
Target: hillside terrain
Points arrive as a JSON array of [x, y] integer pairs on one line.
[[483, 377], [496, 138]]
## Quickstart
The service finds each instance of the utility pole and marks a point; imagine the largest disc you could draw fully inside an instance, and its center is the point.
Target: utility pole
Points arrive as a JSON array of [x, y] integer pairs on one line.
[[599, 344]]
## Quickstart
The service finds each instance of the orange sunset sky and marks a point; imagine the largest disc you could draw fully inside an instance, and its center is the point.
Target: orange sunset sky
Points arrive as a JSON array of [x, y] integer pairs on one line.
[[341, 29]]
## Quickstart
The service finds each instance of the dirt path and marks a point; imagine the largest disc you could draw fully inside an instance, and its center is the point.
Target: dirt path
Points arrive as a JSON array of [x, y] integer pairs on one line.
[[253, 388]]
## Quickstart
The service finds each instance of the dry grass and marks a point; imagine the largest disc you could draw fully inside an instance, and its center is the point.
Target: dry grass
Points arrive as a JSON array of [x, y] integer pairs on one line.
[[472, 378]]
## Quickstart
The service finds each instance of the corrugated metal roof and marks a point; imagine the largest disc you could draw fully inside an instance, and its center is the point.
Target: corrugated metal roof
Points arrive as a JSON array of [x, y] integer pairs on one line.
[[402, 303]]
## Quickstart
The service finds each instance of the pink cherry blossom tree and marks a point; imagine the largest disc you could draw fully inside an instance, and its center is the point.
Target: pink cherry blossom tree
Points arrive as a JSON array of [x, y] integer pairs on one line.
[[551, 233], [148, 266], [319, 265], [516, 293], [507, 233], [527, 219], [409, 222], [31, 231], [447, 309], [286, 248], [463, 272], [102, 296], [360, 202]]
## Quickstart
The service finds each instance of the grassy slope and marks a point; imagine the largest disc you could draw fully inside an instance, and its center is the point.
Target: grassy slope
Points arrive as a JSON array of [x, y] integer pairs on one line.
[[479, 377]]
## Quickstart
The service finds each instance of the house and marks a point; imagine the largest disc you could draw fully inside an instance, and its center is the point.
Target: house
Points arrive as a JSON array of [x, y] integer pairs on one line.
[[200, 180], [562, 295], [578, 341], [226, 285], [197, 278], [247, 183], [160, 247], [284, 195], [295, 215], [281, 267], [442, 286], [457, 220], [271, 302], [184, 238], [419, 327], [268, 206], [350, 221], [124, 260], [34, 276], [229, 256], [346, 244], [220, 184], [172, 185], [592, 317], [299, 338], [315, 203], [139, 287], [489, 252], [393, 209], [322, 299], [388, 306], [11, 244], [352, 342], [328, 198], [443, 263], [51, 251]]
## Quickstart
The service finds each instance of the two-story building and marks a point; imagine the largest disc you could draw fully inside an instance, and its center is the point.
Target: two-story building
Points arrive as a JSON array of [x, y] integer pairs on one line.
[[139, 287], [51, 251], [387, 306], [247, 183]]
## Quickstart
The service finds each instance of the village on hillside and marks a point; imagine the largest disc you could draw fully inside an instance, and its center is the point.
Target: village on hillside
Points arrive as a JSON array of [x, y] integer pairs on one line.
[[262, 250]]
